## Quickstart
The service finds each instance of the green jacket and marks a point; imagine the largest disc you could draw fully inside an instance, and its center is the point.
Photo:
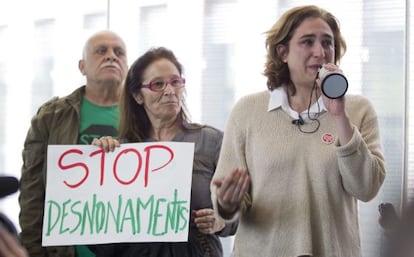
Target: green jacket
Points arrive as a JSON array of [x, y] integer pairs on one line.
[[56, 122]]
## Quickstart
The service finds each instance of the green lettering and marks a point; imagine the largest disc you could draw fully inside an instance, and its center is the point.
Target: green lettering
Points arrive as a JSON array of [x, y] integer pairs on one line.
[[88, 216], [78, 214], [129, 215], [157, 215], [183, 213], [100, 217], [64, 214], [140, 204], [50, 226], [114, 216]]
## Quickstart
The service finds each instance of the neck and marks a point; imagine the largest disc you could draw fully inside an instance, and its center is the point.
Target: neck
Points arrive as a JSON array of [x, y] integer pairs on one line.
[[165, 131], [103, 94], [301, 100]]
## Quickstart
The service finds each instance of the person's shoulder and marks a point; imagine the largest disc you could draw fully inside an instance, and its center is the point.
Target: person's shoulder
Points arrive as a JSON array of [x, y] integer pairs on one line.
[[202, 134], [357, 98], [254, 97], [360, 108], [203, 128], [251, 104], [49, 105], [53, 103], [212, 130], [358, 102]]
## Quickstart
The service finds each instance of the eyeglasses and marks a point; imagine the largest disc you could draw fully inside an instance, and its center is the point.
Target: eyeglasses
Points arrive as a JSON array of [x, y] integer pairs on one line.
[[159, 85]]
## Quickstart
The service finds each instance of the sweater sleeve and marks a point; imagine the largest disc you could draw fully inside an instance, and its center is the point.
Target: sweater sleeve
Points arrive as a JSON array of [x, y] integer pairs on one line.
[[232, 154], [361, 161]]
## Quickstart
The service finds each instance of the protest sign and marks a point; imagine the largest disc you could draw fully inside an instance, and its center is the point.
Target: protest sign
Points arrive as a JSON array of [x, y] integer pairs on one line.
[[138, 193]]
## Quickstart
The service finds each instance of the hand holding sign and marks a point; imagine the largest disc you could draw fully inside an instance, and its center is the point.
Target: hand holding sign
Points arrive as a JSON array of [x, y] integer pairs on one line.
[[108, 143]]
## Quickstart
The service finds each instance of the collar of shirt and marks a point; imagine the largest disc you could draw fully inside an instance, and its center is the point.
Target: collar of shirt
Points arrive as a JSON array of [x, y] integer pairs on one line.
[[279, 99]]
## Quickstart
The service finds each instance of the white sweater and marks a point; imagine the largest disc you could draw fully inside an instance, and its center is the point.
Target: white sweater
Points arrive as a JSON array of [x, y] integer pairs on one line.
[[303, 194]]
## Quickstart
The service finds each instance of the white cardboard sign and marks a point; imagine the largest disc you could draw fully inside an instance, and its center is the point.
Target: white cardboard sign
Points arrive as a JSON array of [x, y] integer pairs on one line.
[[138, 193]]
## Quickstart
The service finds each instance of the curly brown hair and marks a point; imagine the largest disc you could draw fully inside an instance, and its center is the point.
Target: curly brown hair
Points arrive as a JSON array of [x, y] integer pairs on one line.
[[276, 71]]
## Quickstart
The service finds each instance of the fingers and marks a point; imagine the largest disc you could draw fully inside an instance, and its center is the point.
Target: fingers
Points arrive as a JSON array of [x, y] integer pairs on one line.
[[203, 213], [107, 143], [218, 182], [231, 189], [206, 221], [332, 67], [243, 187]]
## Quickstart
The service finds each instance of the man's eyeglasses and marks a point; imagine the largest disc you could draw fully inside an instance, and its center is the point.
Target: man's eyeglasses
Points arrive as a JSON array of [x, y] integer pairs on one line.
[[159, 85]]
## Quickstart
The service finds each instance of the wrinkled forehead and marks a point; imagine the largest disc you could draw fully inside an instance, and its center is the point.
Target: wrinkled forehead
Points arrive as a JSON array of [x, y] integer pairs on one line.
[[104, 39], [161, 68]]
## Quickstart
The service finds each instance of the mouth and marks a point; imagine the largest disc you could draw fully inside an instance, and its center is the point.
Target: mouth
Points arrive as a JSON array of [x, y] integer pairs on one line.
[[316, 66], [170, 103], [111, 65]]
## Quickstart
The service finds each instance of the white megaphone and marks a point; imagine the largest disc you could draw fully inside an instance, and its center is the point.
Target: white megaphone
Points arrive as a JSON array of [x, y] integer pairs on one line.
[[334, 85]]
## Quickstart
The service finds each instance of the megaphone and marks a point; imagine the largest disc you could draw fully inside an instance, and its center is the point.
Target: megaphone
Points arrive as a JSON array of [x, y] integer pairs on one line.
[[333, 84]]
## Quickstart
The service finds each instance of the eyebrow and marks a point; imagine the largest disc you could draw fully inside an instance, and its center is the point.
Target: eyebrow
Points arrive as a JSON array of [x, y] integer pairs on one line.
[[108, 46], [312, 35], [99, 46]]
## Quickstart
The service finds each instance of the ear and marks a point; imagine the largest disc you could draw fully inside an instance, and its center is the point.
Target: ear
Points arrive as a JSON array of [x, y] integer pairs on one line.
[[138, 98], [81, 66], [282, 52]]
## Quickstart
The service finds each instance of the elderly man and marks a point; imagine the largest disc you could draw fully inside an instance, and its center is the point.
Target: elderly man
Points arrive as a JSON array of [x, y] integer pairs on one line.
[[90, 111]]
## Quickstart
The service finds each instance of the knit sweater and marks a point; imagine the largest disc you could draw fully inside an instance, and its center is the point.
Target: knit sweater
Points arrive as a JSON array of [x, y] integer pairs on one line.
[[303, 195]]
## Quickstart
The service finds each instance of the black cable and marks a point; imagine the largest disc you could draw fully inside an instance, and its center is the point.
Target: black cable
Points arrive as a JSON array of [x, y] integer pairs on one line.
[[315, 118]]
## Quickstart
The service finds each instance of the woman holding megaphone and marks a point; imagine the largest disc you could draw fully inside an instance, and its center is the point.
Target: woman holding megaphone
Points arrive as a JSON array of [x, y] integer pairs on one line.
[[296, 158]]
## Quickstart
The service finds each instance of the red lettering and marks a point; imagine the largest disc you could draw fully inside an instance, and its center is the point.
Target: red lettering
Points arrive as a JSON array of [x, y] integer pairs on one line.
[[148, 150], [137, 170], [102, 171], [70, 166]]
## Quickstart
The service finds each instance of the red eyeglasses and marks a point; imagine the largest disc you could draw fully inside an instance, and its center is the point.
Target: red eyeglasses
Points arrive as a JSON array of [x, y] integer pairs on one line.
[[159, 85]]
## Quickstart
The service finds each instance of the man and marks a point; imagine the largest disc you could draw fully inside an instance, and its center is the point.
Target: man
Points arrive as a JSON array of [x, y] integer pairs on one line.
[[91, 111]]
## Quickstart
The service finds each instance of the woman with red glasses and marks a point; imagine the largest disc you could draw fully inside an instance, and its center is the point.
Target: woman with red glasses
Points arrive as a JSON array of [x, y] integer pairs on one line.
[[153, 108]]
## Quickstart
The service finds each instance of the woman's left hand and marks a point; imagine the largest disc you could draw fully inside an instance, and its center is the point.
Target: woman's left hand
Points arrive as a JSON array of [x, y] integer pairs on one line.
[[207, 222]]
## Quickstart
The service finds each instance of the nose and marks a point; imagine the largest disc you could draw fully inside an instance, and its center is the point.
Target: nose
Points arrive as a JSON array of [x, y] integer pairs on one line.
[[168, 89], [110, 56], [318, 50]]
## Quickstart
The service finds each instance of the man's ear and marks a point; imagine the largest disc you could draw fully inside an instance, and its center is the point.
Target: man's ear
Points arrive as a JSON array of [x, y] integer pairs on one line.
[[282, 52], [81, 66]]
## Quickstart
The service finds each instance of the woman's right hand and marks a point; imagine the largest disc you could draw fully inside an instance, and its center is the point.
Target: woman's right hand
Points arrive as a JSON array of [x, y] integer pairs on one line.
[[230, 191], [107, 143]]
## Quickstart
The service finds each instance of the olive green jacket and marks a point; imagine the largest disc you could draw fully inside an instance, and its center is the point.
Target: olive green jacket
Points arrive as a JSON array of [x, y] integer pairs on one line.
[[56, 122]]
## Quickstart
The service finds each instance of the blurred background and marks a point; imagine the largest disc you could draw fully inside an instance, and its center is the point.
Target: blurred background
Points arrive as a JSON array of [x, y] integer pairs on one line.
[[221, 45]]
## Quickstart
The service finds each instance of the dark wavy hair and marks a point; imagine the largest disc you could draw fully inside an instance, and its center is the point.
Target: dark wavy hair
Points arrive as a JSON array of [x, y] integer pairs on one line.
[[276, 71], [134, 124]]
